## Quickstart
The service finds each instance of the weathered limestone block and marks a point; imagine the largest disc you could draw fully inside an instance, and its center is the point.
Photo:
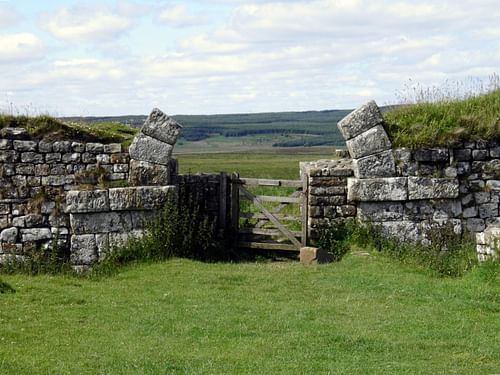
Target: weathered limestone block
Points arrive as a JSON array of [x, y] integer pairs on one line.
[[24, 146], [44, 146], [14, 133], [140, 198], [432, 188], [488, 210], [144, 173], [87, 201], [328, 182], [53, 157], [9, 156], [94, 148], [140, 219], [35, 234], [462, 154], [493, 185], [9, 235], [418, 210], [370, 142], [404, 231], [444, 209], [31, 157], [380, 211], [432, 154], [376, 165], [102, 222], [83, 249], [480, 154], [358, 121], [327, 190], [112, 148], [73, 158], [377, 189], [149, 149], [475, 225], [331, 200], [161, 127], [313, 255], [5, 144], [61, 146]]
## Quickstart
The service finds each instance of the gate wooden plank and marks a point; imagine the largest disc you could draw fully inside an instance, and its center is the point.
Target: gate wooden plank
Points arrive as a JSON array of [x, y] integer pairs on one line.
[[267, 246], [255, 215], [266, 232], [266, 182], [235, 206], [267, 198], [274, 220], [223, 201]]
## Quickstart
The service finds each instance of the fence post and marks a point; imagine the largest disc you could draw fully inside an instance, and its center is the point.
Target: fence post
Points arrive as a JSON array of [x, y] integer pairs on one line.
[[304, 206], [223, 201], [235, 207]]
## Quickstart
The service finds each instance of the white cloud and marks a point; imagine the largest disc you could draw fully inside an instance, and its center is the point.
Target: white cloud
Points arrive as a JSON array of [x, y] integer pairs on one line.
[[180, 16], [8, 17], [86, 24], [20, 46]]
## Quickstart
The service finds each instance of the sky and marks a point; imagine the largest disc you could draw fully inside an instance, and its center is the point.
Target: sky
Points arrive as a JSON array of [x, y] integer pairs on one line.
[[86, 58]]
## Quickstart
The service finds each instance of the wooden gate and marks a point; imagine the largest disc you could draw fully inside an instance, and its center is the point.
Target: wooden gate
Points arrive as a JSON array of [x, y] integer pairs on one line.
[[268, 222]]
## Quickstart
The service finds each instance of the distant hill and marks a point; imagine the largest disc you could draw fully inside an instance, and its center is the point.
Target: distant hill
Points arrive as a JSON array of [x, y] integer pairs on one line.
[[287, 129]]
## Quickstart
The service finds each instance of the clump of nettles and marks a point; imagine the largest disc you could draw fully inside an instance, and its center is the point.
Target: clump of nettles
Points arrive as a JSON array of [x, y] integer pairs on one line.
[[336, 239]]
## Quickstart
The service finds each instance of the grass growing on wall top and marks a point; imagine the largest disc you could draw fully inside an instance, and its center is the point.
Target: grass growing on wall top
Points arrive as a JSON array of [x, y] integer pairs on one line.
[[50, 128], [445, 122]]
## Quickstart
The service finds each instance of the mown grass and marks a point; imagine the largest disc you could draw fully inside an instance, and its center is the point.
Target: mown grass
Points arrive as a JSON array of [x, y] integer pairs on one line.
[[445, 122], [362, 315], [50, 128]]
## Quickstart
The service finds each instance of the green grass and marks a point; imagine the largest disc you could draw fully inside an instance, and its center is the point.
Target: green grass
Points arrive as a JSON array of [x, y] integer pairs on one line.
[[53, 129], [446, 122], [276, 164], [364, 315]]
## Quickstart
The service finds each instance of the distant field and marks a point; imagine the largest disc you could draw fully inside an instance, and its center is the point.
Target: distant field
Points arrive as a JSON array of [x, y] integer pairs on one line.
[[277, 163]]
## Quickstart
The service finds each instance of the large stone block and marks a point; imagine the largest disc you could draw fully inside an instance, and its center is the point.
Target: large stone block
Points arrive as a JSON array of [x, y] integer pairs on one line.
[[103, 222], [432, 188], [140, 198], [161, 127], [358, 121], [404, 231], [143, 173], [380, 211], [149, 149], [370, 142], [35, 234], [9, 235], [87, 201], [313, 255], [83, 249], [376, 165], [377, 189]]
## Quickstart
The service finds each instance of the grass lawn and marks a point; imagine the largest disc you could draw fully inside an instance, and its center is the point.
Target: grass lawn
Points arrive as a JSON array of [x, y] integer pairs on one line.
[[364, 315]]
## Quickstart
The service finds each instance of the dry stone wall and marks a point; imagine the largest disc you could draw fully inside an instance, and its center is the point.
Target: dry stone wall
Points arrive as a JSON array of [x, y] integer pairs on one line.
[[410, 195], [35, 177]]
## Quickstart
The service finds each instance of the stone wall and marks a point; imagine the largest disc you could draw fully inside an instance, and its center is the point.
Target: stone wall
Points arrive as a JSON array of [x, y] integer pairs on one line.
[[35, 176], [103, 219], [408, 194]]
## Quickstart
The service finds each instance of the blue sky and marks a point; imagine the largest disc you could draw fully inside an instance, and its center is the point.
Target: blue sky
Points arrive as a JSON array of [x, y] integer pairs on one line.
[[228, 56]]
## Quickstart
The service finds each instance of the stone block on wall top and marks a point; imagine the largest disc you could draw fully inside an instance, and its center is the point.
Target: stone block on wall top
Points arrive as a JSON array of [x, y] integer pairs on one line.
[[377, 189], [360, 120], [376, 165], [161, 127], [149, 149], [432, 154], [370, 142], [432, 188], [87, 201], [144, 173]]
